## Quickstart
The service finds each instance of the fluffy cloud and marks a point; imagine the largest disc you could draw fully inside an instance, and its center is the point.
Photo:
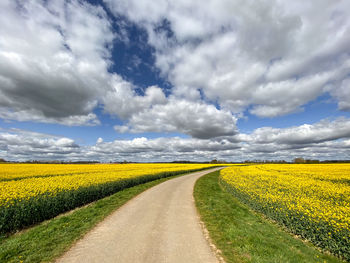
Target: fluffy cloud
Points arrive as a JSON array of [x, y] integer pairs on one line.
[[123, 101], [342, 93], [271, 57], [154, 112], [268, 57], [23, 145], [322, 140], [322, 131], [53, 60], [89, 119], [196, 119]]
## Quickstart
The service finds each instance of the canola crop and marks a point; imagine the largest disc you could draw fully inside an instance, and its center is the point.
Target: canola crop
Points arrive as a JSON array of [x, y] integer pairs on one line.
[[31, 193], [311, 200]]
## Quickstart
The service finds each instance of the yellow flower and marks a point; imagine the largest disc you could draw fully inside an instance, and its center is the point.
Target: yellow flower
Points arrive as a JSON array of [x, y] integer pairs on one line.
[[317, 192], [25, 181]]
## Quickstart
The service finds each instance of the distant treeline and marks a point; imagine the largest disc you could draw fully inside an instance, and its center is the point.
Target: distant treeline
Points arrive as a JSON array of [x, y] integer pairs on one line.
[[298, 160]]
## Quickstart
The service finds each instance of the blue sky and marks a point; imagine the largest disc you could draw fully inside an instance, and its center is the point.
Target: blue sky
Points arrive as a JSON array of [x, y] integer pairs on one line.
[[158, 81]]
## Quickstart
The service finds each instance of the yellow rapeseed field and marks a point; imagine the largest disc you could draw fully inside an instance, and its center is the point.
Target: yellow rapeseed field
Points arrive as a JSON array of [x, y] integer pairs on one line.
[[22, 181], [30, 193], [11, 171], [312, 200]]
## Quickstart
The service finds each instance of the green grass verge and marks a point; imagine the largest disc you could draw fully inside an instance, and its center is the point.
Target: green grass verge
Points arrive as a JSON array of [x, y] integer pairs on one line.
[[245, 236], [48, 240]]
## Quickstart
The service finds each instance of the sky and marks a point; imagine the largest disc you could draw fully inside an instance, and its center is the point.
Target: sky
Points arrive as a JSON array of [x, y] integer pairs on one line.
[[158, 80]]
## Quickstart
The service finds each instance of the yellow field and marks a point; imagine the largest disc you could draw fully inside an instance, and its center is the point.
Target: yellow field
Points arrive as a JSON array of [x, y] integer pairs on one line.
[[30, 193], [22, 181], [312, 200]]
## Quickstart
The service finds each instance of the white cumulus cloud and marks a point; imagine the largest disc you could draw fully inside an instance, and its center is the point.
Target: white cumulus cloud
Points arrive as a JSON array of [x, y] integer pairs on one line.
[[272, 57]]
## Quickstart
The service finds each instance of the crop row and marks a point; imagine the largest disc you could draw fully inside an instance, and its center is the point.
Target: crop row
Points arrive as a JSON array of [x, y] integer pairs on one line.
[[312, 201]]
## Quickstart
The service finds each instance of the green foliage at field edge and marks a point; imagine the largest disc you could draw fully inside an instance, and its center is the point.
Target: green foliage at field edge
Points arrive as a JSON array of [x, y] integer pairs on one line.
[[244, 236]]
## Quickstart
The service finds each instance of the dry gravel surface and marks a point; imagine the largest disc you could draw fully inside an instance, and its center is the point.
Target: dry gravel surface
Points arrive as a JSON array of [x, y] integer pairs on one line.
[[159, 225]]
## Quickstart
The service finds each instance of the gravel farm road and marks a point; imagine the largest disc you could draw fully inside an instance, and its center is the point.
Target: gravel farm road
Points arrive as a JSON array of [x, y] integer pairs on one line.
[[159, 225]]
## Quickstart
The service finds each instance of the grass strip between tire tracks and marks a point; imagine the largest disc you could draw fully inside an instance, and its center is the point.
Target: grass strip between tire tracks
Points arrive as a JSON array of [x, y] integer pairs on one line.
[[245, 236], [50, 239]]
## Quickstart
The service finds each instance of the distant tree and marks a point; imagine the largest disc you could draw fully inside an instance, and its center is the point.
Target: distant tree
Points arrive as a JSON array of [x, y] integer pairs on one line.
[[299, 160], [312, 161], [214, 161], [2, 160]]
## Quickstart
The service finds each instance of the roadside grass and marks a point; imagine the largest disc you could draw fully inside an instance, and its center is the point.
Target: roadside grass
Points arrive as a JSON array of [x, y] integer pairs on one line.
[[50, 239], [245, 236]]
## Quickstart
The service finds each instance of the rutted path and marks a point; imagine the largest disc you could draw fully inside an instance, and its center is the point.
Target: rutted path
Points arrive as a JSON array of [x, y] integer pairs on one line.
[[159, 225]]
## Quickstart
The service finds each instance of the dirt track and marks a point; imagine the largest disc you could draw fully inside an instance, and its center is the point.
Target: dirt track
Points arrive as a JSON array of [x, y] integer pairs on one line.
[[159, 225]]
